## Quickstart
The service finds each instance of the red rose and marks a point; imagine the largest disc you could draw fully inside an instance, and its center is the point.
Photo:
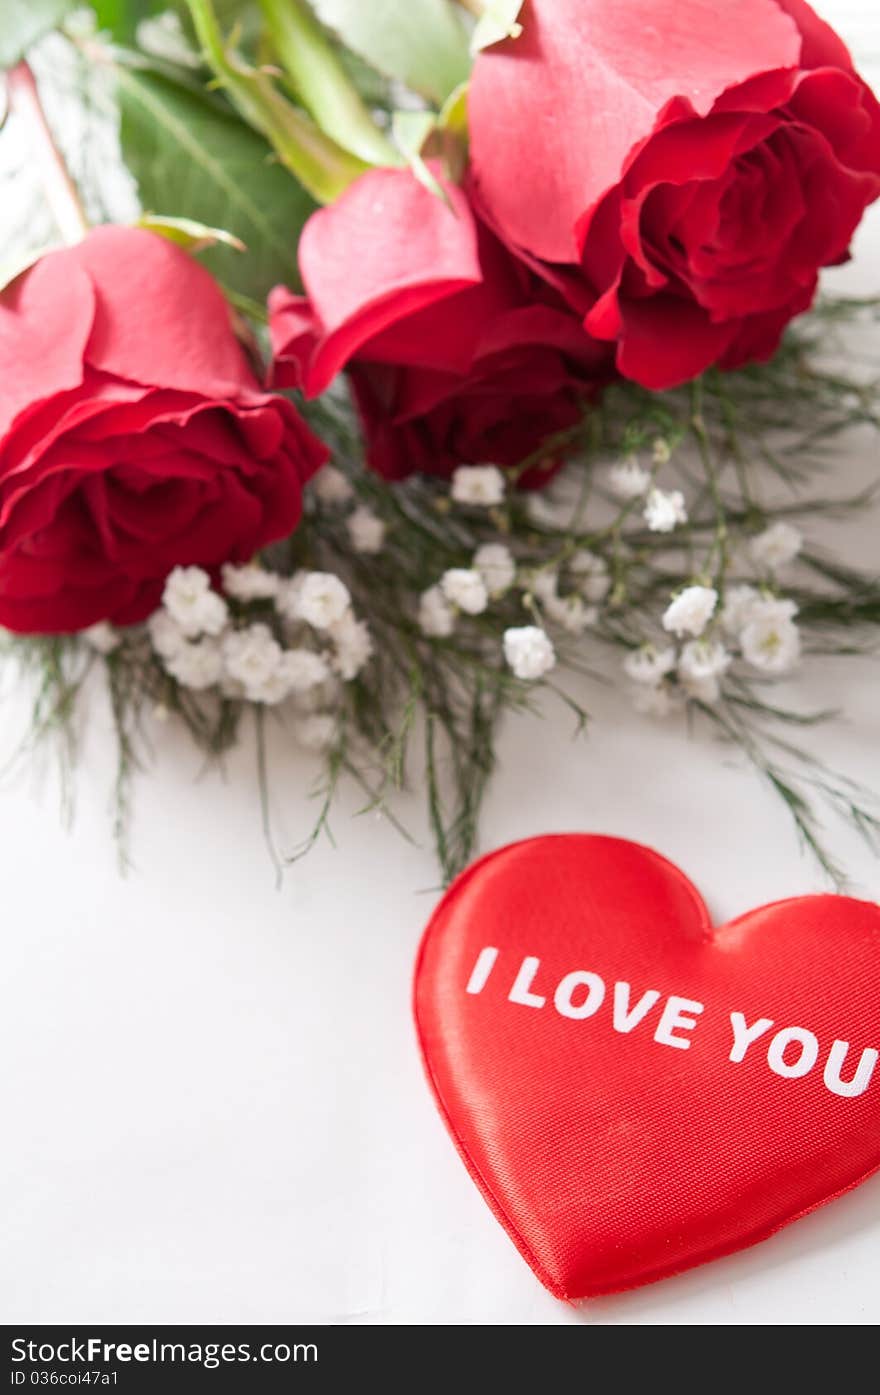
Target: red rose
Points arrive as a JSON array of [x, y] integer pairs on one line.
[[133, 436], [684, 167], [456, 353]]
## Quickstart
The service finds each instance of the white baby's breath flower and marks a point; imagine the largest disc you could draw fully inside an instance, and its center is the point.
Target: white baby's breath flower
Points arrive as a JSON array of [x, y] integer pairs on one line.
[[252, 657], [528, 651], [287, 600], [496, 566], [591, 573], [303, 669], [251, 582], [544, 584], [436, 616], [702, 689], [700, 666], [465, 588], [648, 665], [771, 643], [628, 480], [271, 690], [691, 610], [572, 613], [366, 530], [317, 732], [776, 547], [654, 699], [352, 646], [738, 607], [703, 658], [331, 486], [197, 664], [548, 512], [102, 637], [189, 600], [319, 598], [478, 485], [665, 510], [773, 608], [166, 636]]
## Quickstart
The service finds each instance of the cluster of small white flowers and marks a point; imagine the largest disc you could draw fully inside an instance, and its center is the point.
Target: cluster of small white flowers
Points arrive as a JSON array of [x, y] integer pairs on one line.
[[756, 626], [366, 530], [331, 486], [701, 664], [764, 628], [480, 486], [664, 510], [775, 547], [629, 480], [316, 641], [102, 637], [529, 652], [436, 616], [496, 566], [465, 590], [250, 583], [591, 575], [567, 596], [690, 611], [192, 604]]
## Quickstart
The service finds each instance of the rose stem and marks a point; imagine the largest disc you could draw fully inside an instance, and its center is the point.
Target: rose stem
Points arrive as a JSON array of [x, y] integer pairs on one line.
[[60, 190]]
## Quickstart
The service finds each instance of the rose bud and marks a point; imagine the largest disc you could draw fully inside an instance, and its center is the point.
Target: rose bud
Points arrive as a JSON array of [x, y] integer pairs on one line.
[[133, 434], [457, 354], [682, 169]]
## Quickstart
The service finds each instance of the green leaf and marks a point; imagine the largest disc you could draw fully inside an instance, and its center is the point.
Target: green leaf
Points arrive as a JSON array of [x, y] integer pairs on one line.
[[498, 21], [122, 17], [320, 164], [23, 22], [424, 43], [188, 234], [193, 158], [411, 131]]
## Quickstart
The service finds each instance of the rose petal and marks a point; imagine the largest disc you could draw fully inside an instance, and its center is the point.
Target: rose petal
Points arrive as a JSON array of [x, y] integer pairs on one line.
[[158, 345], [386, 249], [554, 113], [820, 46], [46, 317]]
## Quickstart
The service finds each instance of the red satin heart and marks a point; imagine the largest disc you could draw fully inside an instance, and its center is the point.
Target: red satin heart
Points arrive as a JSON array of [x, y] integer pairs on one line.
[[617, 1150]]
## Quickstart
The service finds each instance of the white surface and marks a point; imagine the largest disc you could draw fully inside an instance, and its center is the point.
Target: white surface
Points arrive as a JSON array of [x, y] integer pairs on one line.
[[213, 1104]]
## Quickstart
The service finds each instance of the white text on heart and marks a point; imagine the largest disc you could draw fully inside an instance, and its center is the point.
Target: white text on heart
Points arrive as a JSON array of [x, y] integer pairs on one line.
[[792, 1052]]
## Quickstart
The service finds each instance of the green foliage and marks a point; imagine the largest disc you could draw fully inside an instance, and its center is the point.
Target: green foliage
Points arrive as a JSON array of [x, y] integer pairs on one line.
[[120, 18], [424, 43], [498, 21], [194, 159], [23, 22]]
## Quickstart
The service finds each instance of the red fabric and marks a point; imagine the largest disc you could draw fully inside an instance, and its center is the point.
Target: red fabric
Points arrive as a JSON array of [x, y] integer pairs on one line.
[[457, 353], [133, 434], [697, 163], [613, 1158]]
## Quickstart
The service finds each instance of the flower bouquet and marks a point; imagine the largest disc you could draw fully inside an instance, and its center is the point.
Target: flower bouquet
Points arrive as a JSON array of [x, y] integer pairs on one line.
[[369, 369]]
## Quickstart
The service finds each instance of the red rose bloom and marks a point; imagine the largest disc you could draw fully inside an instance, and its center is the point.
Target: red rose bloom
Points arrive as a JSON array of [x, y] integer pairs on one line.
[[133, 435], [683, 169], [456, 352]]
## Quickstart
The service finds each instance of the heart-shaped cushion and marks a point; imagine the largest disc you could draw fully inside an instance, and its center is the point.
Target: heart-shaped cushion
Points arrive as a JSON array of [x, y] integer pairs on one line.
[[633, 1091]]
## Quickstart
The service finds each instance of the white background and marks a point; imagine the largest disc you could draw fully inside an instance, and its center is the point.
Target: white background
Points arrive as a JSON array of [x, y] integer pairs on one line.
[[212, 1101]]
